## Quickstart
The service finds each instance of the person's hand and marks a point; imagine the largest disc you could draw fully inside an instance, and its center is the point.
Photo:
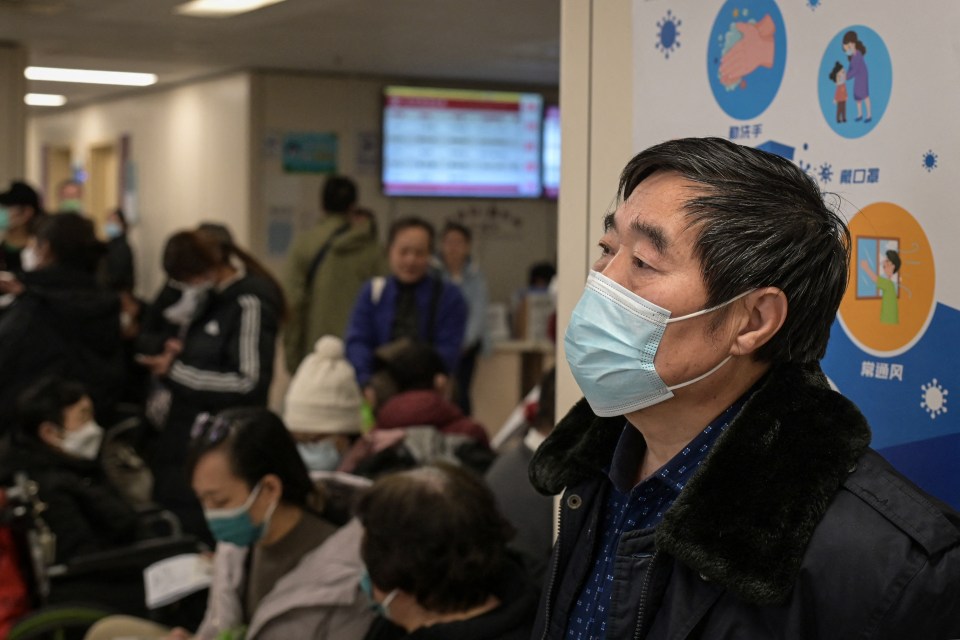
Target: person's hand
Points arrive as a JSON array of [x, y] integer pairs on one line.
[[178, 633], [755, 49], [10, 284], [159, 365]]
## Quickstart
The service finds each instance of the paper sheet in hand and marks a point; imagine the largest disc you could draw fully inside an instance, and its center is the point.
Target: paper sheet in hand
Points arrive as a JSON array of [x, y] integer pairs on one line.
[[174, 578]]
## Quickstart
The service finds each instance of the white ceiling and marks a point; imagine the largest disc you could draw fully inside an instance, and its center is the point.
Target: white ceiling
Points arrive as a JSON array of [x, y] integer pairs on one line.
[[507, 41]]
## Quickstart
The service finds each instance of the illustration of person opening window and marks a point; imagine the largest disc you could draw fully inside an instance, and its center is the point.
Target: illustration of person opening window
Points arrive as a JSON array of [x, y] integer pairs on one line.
[[886, 285]]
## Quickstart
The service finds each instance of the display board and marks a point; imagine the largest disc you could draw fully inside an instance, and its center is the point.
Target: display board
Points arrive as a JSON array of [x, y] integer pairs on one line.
[[551, 152], [857, 93], [460, 143]]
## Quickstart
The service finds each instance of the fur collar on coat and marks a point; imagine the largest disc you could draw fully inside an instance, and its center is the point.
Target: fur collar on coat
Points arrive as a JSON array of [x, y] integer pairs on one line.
[[744, 520]]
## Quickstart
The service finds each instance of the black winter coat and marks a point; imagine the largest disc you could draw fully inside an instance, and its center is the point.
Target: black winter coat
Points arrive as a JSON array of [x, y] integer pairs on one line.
[[791, 528], [227, 361], [83, 510], [62, 324]]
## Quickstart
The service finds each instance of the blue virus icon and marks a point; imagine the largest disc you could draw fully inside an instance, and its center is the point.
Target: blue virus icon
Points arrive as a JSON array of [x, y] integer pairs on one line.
[[668, 34], [934, 398], [929, 161], [825, 172], [806, 167], [813, 4]]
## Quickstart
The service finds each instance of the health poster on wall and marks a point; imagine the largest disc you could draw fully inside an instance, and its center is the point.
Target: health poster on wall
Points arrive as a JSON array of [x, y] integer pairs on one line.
[[857, 94], [310, 152]]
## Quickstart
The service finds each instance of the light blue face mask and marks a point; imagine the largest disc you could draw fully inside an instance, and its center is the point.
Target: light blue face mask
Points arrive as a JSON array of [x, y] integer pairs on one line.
[[112, 230], [320, 456], [380, 608], [4, 218], [610, 345]]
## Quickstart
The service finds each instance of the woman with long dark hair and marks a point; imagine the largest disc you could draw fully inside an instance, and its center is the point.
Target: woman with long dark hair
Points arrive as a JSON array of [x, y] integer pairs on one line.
[[213, 349]]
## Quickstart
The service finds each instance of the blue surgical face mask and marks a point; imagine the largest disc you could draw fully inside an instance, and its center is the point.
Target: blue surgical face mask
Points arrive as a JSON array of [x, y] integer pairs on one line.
[[380, 608], [320, 456], [4, 218], [235, 525], [610, 345], [112, 230]]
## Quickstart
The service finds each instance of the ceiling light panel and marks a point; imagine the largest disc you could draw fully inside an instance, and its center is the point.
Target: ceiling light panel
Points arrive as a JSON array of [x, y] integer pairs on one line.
[[45, 100], [90, 76], [221, 8]]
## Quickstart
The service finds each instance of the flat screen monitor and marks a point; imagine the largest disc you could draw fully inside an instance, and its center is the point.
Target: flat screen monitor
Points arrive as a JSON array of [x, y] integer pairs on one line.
[[551, 152], [461, 143]]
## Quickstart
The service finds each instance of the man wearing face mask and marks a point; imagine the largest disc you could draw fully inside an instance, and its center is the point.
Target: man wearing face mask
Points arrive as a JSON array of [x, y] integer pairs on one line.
[[19, 207], [58, 445], [714, 486]]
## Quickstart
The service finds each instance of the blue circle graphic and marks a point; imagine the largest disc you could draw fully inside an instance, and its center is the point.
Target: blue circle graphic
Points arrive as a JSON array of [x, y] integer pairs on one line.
[[746, 56], [868, 82], [668, 34]]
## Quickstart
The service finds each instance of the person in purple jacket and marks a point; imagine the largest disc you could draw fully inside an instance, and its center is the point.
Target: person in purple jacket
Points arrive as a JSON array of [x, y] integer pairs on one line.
[[857, 71], [411, 303]]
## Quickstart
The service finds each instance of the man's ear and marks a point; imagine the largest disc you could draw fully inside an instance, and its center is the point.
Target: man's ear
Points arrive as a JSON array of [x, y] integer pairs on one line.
[[766, 311], [51, 434]]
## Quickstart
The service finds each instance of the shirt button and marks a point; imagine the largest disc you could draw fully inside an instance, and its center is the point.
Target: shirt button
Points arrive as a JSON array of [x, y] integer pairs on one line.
[[574, 501]]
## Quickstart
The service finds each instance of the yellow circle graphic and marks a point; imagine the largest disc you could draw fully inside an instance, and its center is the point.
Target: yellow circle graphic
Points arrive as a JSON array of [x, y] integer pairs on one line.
[[891, 284]]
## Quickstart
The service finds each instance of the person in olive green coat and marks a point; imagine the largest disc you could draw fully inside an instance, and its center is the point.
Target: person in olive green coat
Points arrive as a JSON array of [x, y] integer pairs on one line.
[[326, 267]]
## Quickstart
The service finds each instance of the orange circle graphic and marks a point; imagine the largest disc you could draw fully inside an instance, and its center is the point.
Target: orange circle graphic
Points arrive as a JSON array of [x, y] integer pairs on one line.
[[891, 284]]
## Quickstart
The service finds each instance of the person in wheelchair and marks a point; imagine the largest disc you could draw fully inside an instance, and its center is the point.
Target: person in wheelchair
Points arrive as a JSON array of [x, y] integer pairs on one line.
[[58, 445]]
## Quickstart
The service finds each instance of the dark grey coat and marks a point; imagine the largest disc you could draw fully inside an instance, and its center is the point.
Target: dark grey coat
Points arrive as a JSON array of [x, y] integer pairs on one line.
[[791, 528]]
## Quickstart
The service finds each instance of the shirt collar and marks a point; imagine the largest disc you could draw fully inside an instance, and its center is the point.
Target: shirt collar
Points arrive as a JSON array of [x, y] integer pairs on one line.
[[628, 455]]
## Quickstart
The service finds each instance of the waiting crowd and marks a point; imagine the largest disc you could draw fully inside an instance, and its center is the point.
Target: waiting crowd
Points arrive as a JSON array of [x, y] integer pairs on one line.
[[714, 484], [382, 347]]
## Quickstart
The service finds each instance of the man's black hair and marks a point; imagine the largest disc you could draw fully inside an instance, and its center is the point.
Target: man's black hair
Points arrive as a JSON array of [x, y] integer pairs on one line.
[[46, 401], [459, 228], [339, 194], [410, 222], [760, 222]]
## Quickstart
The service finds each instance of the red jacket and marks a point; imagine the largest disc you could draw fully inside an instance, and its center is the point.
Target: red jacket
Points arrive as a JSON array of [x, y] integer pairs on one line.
[[427, 407]]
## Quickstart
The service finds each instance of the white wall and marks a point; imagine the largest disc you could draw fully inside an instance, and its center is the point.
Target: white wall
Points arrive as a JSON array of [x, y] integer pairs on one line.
[[350, 107], [190, 147], [596, 98]]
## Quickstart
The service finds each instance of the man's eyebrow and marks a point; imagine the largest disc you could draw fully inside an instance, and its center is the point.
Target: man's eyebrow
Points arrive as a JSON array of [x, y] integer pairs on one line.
[[609, 222], [653, 233]]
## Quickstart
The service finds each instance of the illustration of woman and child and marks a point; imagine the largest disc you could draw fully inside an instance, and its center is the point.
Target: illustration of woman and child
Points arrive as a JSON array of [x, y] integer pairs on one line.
[[856, 71]]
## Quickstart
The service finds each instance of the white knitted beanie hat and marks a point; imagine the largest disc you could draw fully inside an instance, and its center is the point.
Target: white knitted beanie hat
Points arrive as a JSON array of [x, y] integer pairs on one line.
[[324, 396]]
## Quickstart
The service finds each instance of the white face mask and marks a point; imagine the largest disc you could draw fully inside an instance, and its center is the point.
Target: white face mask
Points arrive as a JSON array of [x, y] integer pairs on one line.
[[29, 259], [84, 442], [183, 311]]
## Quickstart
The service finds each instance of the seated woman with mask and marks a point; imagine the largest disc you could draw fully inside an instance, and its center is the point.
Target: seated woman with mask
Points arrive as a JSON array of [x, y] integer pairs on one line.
[[322, 407], [280, 570], [435, 549]]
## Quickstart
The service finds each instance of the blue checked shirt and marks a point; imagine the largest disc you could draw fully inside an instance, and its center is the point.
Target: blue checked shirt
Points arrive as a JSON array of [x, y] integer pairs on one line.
[[630, 508]]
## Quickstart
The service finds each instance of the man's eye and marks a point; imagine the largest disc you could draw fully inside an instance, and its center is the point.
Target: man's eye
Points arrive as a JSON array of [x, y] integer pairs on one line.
[[605, 249]]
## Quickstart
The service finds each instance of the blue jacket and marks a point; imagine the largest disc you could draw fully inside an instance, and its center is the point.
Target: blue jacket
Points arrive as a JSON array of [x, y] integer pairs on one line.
[[371, 322]]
